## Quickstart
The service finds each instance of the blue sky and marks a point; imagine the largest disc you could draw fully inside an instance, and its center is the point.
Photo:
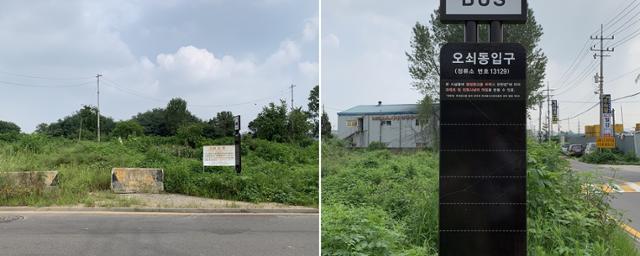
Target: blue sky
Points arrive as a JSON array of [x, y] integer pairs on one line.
[[215, 54]]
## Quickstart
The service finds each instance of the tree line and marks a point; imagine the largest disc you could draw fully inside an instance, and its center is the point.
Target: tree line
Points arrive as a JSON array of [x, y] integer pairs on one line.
[[276, 122]]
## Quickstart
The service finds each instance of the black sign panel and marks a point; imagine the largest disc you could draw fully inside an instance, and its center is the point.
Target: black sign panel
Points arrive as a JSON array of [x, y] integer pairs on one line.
[[483, 150], [236, 123], [507, 11]]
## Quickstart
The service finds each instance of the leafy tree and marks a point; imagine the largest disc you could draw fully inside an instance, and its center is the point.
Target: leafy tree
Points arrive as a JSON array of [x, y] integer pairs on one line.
[[426, 42], [220, 126], [224, 124], [271, 123], [176, 115], [298, 124], [9, 127], [314, 109], [190, 134], [153, 122], [165, 122], [125, 129], [326, 126], [425, 119], [83, 123]]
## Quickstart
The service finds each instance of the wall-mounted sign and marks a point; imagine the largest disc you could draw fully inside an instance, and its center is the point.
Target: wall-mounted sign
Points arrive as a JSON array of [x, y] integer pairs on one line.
[[509, 11], [394, 118], [219, 155], [483, 149]]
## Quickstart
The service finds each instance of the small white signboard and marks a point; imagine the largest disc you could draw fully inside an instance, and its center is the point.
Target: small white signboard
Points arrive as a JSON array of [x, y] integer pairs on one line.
[[219, 155]]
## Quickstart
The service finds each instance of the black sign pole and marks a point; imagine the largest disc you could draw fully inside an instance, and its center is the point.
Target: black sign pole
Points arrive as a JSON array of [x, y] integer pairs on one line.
[[496, 34], [238, 140], [470, 32]]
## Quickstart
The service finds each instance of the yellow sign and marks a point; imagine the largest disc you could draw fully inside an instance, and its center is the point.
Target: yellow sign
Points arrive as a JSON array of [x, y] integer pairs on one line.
[[637, 127], [606, 142], [619, 128]]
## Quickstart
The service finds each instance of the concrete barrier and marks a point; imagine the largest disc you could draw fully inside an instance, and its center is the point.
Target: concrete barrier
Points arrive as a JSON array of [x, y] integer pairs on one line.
[[137, 180], [45, 179]]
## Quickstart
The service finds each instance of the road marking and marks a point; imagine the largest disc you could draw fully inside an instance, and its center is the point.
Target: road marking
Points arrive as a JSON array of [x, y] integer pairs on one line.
[[631, 231], [634, 186]]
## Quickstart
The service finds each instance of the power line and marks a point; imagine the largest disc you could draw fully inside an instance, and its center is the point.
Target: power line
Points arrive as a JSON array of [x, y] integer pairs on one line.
[[44, 86], [575, 63], [617, 18], [579, 79], [44, 77], [112, 84]]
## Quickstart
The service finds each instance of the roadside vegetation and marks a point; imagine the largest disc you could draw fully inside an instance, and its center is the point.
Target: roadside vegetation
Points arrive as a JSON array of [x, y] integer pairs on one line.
[[613, 157], [279, 155], [379, 203]]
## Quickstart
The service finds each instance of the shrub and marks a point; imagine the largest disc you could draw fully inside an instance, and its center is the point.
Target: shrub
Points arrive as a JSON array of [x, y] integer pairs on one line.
[[125, 129], [359, 231], [376, 145]]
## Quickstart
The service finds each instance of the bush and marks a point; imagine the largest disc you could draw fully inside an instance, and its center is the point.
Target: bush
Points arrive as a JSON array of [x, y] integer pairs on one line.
[[125, 129], [605, 156], [376, 145], [359, 231]]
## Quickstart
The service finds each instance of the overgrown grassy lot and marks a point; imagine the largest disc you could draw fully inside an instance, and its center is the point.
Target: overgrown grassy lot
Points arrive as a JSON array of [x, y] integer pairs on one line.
[[272, 172], [379, 203]]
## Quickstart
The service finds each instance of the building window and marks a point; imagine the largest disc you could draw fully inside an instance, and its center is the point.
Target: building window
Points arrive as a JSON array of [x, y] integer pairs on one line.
[[386, 122], [352, 123], [417, 122]]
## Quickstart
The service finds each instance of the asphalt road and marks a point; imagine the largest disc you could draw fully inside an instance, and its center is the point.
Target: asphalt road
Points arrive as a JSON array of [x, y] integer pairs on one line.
[[628, 202], [106, 233]]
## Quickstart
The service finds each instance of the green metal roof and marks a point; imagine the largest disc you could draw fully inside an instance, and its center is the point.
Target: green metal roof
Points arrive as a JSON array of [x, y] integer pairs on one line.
[[399, 109]]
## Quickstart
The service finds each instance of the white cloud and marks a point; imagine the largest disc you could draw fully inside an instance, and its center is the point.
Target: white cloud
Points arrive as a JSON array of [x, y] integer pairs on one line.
[[309, 69], [289, 52], [310, 31], [331, 41], [200, 64]]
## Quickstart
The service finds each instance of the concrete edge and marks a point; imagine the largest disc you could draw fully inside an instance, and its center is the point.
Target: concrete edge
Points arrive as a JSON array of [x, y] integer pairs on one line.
[[164, 210]]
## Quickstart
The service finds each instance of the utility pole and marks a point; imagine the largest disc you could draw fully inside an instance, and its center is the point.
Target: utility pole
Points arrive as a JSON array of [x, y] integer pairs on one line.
[[549, 124], [98, 80], [292, 86], [621, 117], [579, 127], [540, 122], [600, 77]]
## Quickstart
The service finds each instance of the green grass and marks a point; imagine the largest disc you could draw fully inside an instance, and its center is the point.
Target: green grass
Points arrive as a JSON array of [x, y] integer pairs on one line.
[[379, 203], [272, 172]]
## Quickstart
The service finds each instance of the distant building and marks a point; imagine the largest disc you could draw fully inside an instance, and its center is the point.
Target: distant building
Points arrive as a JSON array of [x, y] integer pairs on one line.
[[396, 126]]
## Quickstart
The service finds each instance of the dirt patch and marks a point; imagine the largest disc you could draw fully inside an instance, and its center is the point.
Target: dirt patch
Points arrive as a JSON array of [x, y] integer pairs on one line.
[[182, 201]]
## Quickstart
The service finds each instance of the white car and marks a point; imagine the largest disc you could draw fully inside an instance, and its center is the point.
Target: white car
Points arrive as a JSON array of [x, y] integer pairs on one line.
[[591, 148]]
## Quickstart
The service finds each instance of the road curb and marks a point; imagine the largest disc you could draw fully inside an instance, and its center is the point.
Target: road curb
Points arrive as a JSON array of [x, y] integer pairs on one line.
[[163, 210]]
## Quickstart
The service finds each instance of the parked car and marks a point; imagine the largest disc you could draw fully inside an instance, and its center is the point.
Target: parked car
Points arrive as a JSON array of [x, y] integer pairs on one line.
[[590, 148], [576, 150], [565, 149]]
